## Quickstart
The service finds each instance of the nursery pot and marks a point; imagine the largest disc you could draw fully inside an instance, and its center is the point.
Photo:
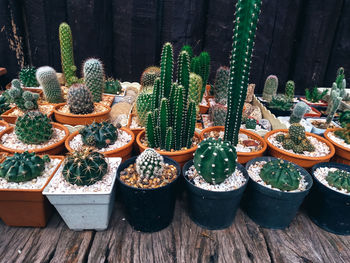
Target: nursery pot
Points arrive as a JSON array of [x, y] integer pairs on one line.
[[272, 208], [328, 208], [149, 210], [342, 153], [211, 209]]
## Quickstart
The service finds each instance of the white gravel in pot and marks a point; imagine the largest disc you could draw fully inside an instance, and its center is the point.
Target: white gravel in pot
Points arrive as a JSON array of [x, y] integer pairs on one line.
[[134, 124], [338, 140], [321, 174], [36, 183], [254, 174], [235, 181], [2, 128]]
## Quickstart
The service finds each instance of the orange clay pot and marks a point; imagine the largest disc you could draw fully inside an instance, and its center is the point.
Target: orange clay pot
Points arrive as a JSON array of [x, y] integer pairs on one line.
[[181, 156], [136, 131], [80, 119], [123, 152], [243, 157], [303, 161], [4, 123], [53, 149], [203, 109], [342, 154], [12, 119], [26, 207]]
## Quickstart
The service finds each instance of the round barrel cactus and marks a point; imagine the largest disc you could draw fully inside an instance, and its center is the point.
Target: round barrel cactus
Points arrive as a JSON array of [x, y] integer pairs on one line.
[[79, 99], [99, 135], [339, 179], [149, 163]]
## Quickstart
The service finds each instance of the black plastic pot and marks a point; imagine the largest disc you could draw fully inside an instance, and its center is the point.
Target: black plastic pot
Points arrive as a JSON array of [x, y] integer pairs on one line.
[[277, 112], [213, 210], [149, 210], [271, 208], [328, 208]]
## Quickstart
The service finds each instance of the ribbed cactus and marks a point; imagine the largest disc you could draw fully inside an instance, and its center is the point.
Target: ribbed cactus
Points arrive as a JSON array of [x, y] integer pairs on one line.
[[344, 118], [189, 50], [67, 57], [48, 80], [247, 13], [149, 164], [79, 99], [220, 85], [215, 160], [183, 72], [333, 109], [143, 106], [290, 88], [112, 86], [195, 88], [94, 78], [149, 75], [251, 123], [24, 100], [27, 77], [270, 88], [313, 95], [217, 114], [344, 133], [339, 179], [300, 109], [201, 66], [99, 135], [166, 70], [280, 102], [4, 105]]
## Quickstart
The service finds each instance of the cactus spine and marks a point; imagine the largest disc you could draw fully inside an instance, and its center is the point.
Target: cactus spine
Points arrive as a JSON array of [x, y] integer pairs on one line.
[[270, 88], [27, 77], [143, 106], [166, 70], [79, 100], [195, 88], [298, 112], [189, 50], [149, 75], [94, 78], [48, 80]]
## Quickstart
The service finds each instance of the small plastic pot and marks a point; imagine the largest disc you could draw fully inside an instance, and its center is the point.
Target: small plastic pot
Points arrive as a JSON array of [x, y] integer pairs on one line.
[[149, 210], [210, 209], [271, 208], [327, 208]]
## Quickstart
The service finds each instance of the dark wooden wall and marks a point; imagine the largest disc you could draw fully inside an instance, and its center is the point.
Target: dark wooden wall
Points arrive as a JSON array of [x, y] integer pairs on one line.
[[303, 40]]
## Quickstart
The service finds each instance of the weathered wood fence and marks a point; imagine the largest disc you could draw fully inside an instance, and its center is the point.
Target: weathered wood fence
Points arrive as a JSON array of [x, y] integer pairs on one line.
[[303, 40]]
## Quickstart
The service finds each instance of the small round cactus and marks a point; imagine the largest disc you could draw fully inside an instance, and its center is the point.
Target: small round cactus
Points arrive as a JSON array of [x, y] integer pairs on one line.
[[48, 80], [79, 99], [149, 163], [99, 135], [149, 76], [27, 77], [251, 123], [339, 179]]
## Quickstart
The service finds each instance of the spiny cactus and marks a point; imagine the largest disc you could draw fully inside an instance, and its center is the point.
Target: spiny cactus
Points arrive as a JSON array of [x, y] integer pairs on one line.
[[33, 127], [201, 66], [334, 106], [48, 80], [270, 88], [250, 123], [67, 57], [289, 91], [112, 86], [314, 95], [220, 86], [280, 102], [94, 78], [149, 75], [24, 100], [215, 160], [149, 164], [27, 77], [99, 135], [4, 106], [79, 99], [189, 50], [281, 175], [300, 109], [195, 88], [344, 133], [166, 70], [217, 114], [344, 118], [84, 168], [339, 179]]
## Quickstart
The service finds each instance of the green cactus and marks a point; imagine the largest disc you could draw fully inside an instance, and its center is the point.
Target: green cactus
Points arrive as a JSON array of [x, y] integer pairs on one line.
[[149, 75], [217, 114], [280, 102], [344, 133], [143, 106], [23, 167], [4, 106], [27, 77], [270, 88], [195, 88], [300, 109], [24, 100], [201, 66], [112, 86], [333, 109], [250, 123], [79, 99], [99, 135], [313, 95], [189, 50], [33, 127], [94, 78], [344, 118], [84, 168], [220, 86], [166, 70], [281, 175], [48, 80], [149, 164], [339, 179], [289, 91], [215, 160]]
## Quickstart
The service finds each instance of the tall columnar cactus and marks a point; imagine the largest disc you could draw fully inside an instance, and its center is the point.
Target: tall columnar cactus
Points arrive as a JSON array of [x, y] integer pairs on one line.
[[217, 114], [195, 88], [24, 100], [300, 109], [247, 13], [67, 57], [79, 99], [270, 88], [94, 78], [48, 80], [149, 164], [149, 75], [338, 88], [27, 76], [220, 85], [143, 106], [189, 50], [333, 109], [166, 70], [215, 160], [201, 66], [99, 135], [290, 88], [339, 179], [183, 72]]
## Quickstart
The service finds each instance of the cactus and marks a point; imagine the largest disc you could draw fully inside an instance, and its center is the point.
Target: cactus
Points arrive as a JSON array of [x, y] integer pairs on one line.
[[201, 66], [313, 95], [251, 123], [24, 100], [94, 78], [217, 114], [339, 179], [215, 160], [195, 88], [112, 86], [99, 135], [33, 127], [338, 92], [166, 70], [220, 86], [23, 167], [143, 106], [344, 133], [4, 106], [333, 109], [289, 91], [189, 50], [300, 109], [67, 57], [79, 99], [280, 102], [149, 164], [27, 77], [84, 168], [281, 175], [48, 80], [270, 88], [149, 75], [344, 118]]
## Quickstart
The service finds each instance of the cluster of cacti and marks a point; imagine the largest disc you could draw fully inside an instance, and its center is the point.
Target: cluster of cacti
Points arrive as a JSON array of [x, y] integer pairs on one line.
[[48, 80], [344, 118], [250, 123], [24, 100], [270, 88], [201, 66], [337, 92], [112, 86], [344, 133], [143, 106], [94, 78], [247, 15], [33, 127], [289, 90], [300, 109], [22, 167], [99, 135], [4, 105], [281, 175], [314, 95], [67, 57], [195, 87], [280, 102], [27, 77], [149, 164], [149, 75], [79, 99], [220, 85], [215, 160], [189, 50], [339, 179], [84, 168], [333, 107], [296, 140], [217, 114]]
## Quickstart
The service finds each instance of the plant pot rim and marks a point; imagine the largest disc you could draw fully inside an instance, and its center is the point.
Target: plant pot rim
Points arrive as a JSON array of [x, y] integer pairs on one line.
[[6, 115], [166, 153], [321, 103], [4, 123], [40, 150], [78, 116], [333, 142], [72, 135], [131, 115], [317, 113], [298, 156]]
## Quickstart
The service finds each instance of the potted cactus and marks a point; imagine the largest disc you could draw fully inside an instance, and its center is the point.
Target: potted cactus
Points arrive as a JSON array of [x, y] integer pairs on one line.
[[113, 86], [148, 186], [23, 178], [83, 191], [275, 191], [149, 76], [270, 88], [27, 77], [298, 113], [48, 81], [280, 105], [340, 138], [314, 98]]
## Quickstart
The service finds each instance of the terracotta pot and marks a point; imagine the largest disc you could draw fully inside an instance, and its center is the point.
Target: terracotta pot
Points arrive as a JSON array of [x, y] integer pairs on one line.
[[53, 149], [26, 207], [12, 119], [242, 156], [179, 156], [110, 99], [303, 161], [314, 113], [321, 103], [80, 119], [136, 131], [4, 123], [124, 152], [203, 109], [342, 154]]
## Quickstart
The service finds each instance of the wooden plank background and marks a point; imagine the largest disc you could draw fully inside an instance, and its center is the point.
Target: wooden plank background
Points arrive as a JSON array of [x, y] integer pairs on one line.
[[303, 40]]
